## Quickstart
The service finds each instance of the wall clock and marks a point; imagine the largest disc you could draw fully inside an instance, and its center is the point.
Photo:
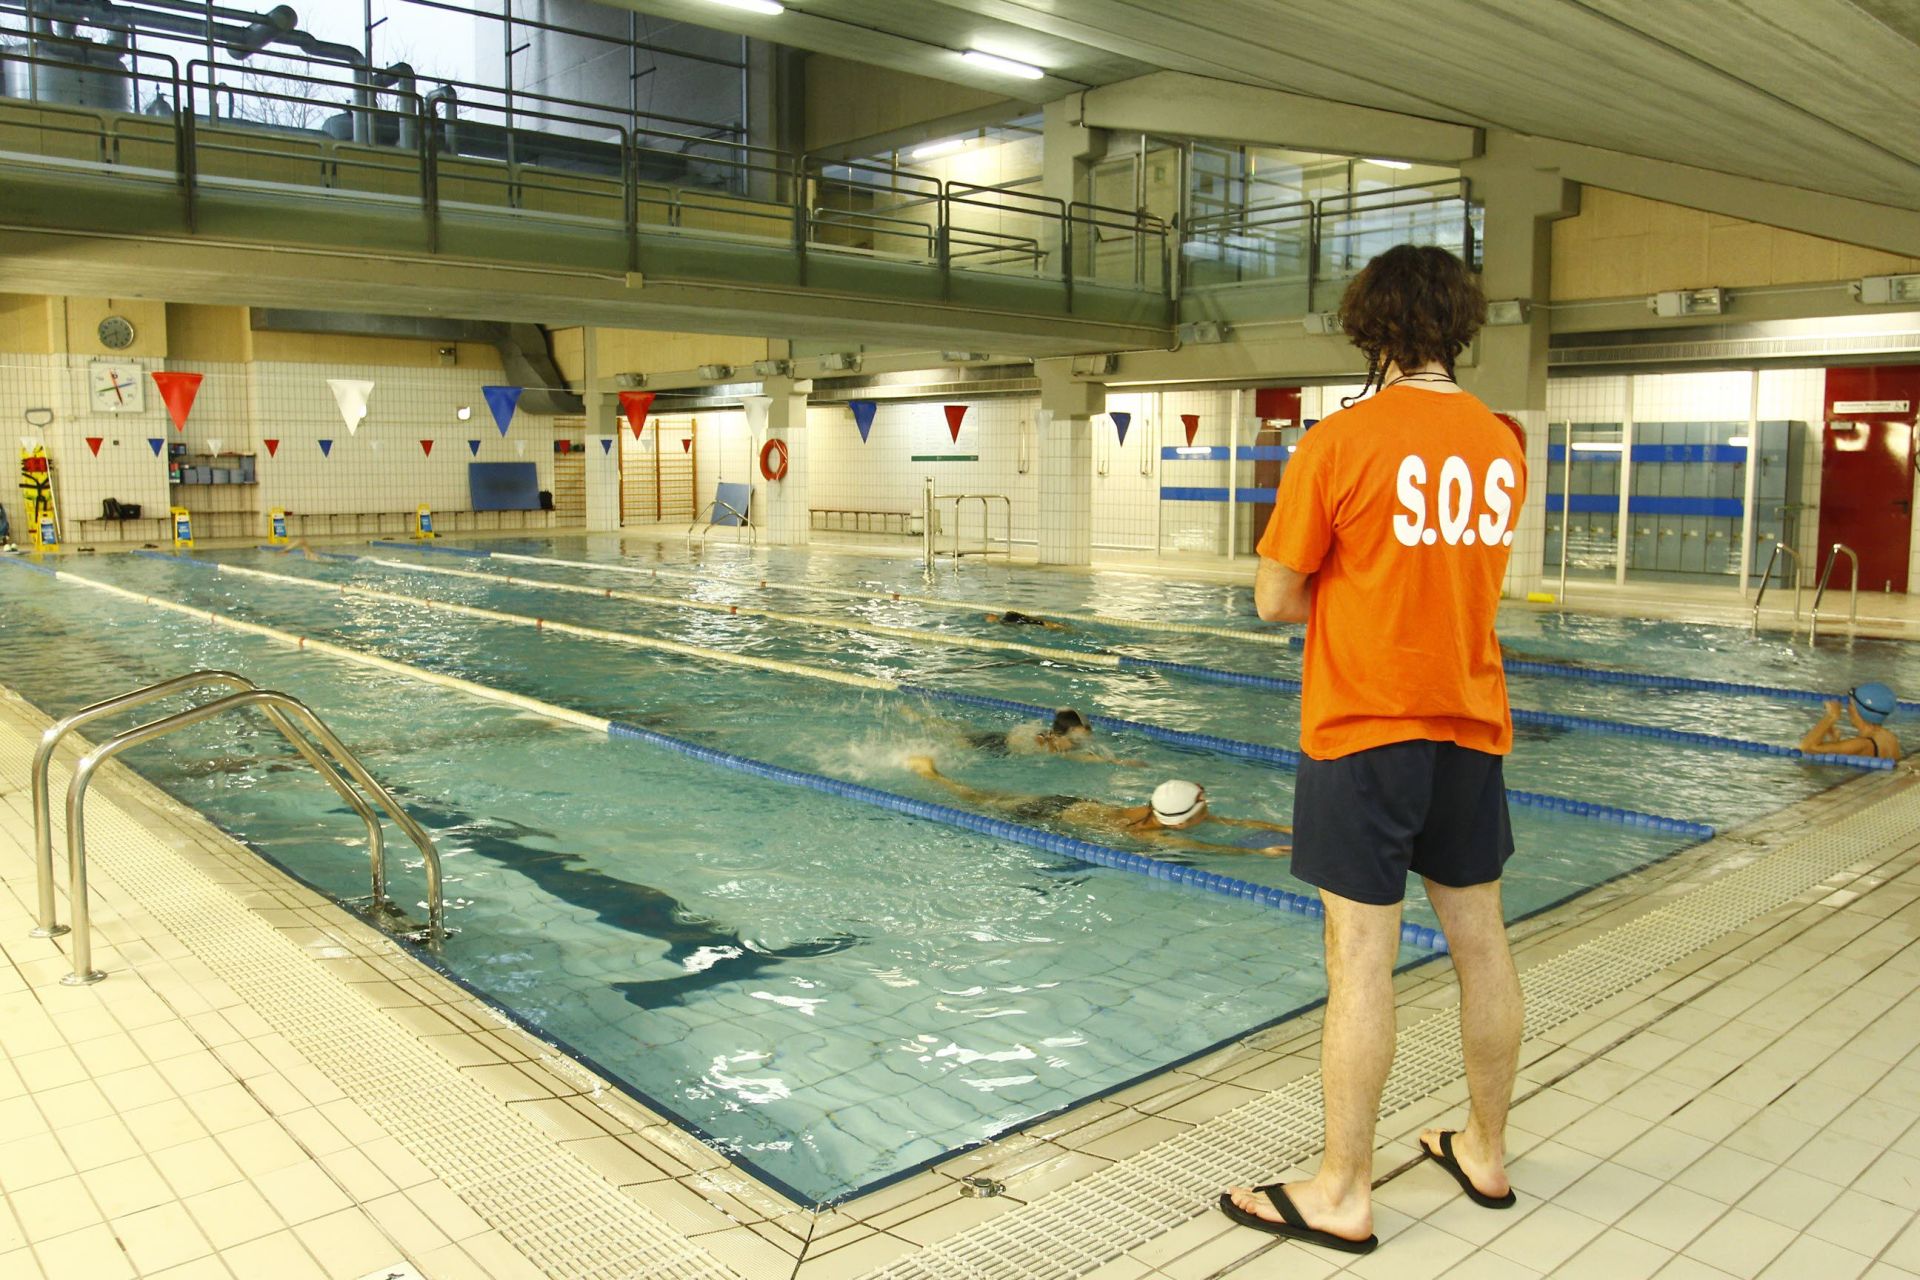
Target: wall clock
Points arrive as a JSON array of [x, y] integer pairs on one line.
[[117, 388], [116, 333]]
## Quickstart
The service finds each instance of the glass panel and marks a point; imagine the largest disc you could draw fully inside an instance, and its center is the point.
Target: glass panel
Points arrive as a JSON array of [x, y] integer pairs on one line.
[[1583, 499]]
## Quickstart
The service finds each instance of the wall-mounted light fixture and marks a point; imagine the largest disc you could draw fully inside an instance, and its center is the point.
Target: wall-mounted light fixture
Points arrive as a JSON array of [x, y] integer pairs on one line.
[[770, 8], [1388, 164], [1880, 290], [1509, 311], [716, 372], [1688, 302], [464, 412], [1324, 322], [944, 147]]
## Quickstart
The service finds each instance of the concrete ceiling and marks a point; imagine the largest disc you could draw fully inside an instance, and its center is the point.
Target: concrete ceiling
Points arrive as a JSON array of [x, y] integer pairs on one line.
[[1823, 94]]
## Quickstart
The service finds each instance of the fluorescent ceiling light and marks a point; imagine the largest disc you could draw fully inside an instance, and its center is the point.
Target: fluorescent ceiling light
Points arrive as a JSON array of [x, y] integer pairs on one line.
[[1739, 442], [1388, 164], [946, 147], [771, 8], [1005, 66], [1597, 446], [1195, 451]]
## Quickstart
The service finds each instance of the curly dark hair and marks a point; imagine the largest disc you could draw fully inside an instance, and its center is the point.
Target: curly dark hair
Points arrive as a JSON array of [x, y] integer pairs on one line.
[[1412, 305]]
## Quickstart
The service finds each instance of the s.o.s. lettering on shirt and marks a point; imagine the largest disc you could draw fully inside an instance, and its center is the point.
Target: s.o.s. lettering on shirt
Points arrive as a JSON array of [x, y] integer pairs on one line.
[[1452, 504]]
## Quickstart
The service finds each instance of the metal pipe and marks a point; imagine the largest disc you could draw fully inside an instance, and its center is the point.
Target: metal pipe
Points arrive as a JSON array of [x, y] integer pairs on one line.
[[50, 740], [83, 971], [1779, 549]]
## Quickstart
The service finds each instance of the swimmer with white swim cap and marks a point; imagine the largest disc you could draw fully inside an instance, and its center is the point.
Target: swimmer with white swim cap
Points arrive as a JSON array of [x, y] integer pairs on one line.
[[1869, 706], [1177, 807]]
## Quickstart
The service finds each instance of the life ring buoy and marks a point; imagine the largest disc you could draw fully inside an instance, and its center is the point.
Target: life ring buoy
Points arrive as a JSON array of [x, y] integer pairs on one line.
[[773, 459]]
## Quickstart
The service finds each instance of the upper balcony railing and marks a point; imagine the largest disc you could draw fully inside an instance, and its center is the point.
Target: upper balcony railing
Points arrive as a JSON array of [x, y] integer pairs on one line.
[[446, 168], [1310, 249]]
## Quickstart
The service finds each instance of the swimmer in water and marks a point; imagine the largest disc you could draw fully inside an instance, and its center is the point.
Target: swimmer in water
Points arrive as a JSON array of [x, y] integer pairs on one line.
[[1176, 809], [1068, 735], [1013, 618], [1868, 706]]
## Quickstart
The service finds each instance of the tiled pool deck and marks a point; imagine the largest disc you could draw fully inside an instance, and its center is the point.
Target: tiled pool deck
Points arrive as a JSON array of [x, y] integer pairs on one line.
[[265, 1087]]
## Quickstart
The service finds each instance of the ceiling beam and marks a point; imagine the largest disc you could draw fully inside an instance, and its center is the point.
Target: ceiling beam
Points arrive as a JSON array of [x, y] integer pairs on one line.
[[1176, 104], [1859, 222]]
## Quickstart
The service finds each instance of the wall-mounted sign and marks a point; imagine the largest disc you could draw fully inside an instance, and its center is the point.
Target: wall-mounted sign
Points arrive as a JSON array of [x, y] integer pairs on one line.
[[1872, 406]]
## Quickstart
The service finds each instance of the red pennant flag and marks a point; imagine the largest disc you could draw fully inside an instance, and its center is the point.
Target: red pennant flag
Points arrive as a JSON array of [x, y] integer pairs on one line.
[[426, 447], [686, 445], [273, 447], [94, 443], [956, 414], [1192, 423], [178, 391], [635, 405]]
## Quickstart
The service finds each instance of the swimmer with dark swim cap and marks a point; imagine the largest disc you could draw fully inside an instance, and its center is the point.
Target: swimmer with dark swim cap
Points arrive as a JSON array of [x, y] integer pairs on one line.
[[1176, 808], [1068, 735], [1014, 618], [1869, 706]]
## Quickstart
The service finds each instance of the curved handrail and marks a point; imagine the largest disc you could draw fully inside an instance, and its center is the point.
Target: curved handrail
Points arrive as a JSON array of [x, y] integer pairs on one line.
[[284, 706], [50, 739], [1779, 549], [1819, 593], [707, 526]]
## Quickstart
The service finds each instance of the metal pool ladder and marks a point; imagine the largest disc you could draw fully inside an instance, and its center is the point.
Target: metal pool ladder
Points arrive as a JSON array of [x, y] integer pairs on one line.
[[1779, 549], [282, 712], [1853, 589]]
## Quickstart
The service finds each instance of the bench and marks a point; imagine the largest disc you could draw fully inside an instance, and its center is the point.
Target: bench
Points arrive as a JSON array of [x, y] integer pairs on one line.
[[849, 520]]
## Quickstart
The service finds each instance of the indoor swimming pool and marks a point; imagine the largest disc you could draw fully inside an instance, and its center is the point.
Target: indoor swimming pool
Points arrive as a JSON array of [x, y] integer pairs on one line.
[[830, 992]]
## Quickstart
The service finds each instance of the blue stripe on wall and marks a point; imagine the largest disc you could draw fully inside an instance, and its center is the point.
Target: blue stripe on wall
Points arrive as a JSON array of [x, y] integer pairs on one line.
[[1187, 493], [1265, 452], [1214, 453], [1259, 495], [1642, 505], [1661, 453]]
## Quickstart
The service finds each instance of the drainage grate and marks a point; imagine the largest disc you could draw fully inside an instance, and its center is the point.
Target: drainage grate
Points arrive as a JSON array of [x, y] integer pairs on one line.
[[1074, 1230], [550, 1205]]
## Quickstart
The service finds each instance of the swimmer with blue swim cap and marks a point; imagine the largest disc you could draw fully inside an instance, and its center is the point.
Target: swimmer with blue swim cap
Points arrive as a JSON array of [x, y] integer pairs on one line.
[[1869, 706]]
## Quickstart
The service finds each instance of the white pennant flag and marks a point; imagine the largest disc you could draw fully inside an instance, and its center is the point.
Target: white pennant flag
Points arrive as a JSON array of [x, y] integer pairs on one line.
[[351, 395], [756, 407], [213, 444], [376, 446], [520, 448]]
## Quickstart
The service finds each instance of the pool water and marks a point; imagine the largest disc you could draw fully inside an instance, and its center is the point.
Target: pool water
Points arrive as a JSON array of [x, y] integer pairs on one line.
[[833, 994]]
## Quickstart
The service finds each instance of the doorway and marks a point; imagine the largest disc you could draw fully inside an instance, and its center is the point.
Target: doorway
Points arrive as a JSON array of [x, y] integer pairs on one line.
[[1867, 470]]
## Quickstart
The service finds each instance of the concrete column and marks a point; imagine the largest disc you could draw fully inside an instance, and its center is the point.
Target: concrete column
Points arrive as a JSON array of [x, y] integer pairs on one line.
[[1068, 150], [1064, 523], [1510, 372], [603, 425], [780, 506]]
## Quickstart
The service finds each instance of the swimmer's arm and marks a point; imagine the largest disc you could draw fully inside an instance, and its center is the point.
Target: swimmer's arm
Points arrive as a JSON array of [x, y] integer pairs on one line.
[[1253, 823], [1862, 746], [1281, 594], [1191, 845], [1819, 737]]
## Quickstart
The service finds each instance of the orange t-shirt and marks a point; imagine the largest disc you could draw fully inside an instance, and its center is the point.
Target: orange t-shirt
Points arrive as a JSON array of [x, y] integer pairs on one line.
[[1403, 510]]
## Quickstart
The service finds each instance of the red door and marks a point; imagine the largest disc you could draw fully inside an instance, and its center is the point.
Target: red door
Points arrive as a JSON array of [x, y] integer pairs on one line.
[[1278, 409], [1866, 472]]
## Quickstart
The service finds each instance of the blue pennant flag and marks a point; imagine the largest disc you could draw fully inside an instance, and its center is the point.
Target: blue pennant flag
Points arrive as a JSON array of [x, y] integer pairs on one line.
[[473, 447], [1121, 421], [863, 411], [326, 448], [502, 401], [606, 444], [155, 445]]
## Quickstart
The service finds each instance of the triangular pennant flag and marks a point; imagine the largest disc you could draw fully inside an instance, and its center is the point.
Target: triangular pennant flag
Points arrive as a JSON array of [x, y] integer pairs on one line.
[[273, 447], [154, 443], [351, 396], [213, 445], [94, 443], [635, 405], [326, 448], [374, 445], [426, 447], [520, 448], [177, 391], [863, 411], [606, 445], [501, 400], [956, 413], [473, 447], [686, 444], [757, 407], [1192, 423], [1121, 421]]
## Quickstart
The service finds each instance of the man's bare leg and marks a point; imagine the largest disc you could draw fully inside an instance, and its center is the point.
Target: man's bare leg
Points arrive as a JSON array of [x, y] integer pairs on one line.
[[1491, 1017], [1356, 1051]]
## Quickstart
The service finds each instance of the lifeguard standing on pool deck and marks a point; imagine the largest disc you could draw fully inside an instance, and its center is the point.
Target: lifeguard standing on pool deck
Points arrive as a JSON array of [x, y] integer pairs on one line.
[[1390, 539]]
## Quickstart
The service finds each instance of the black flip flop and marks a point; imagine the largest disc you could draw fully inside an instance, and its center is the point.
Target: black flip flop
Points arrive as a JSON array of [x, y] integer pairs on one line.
[[1294, 1227], [1445, 1158]]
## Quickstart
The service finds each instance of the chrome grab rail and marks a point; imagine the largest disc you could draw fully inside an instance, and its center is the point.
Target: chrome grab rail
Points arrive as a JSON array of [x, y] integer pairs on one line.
[[281, 711], [1779, 549], [1820, 591], [704, 527], [986, 521]]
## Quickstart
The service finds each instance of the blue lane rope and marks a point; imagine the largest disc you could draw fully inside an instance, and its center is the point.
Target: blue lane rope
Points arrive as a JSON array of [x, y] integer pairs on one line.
[[28, 564], [1283, 758], [1012, 832]]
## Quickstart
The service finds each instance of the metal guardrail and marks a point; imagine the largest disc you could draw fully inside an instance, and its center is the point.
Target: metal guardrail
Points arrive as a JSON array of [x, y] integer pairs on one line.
[[1819, 592], [282, 712], [701, 528]]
